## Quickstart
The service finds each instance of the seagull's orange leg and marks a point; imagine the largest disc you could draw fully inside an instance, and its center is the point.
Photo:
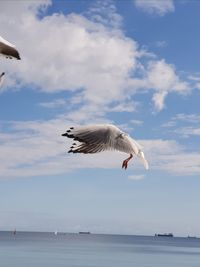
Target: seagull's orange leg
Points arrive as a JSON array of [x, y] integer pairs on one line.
[[125, 162]]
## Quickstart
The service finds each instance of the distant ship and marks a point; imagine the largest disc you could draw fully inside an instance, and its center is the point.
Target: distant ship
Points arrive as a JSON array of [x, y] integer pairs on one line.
[[165, 235], [84, 233], [191, 236]]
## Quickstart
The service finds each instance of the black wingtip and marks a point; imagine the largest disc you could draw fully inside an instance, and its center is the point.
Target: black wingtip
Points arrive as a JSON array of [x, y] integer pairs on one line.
[[68, 135]]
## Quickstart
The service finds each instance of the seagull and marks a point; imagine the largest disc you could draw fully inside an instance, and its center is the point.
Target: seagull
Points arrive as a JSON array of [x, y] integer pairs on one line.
[[8, 50], [101, 137], [1, 78]]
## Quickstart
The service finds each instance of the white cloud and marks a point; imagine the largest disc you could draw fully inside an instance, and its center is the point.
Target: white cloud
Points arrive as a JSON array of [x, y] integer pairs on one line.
[[194, 77], [37, 148], [188, 131], [105, 13], [54, 104], [183, 118], [190, 118], [162, 78], [126, 106], [82, 54], [23, 8], [171, 157], [197, 85], [195, 80], [72, 52], [158, 99], [184, 125], [136, 122], [158, 7]]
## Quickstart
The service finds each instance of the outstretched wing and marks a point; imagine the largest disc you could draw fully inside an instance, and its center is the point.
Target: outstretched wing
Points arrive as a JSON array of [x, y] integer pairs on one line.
[[97, 138], [92, 138]]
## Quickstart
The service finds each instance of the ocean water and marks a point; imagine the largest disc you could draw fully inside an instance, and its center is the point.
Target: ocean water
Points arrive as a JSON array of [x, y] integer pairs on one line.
[[28, 249]]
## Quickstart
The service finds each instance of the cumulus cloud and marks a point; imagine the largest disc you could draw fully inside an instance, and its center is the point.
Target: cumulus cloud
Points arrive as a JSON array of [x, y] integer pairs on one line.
[[157, 7], [71, 52], [162, 78], [82, 53]]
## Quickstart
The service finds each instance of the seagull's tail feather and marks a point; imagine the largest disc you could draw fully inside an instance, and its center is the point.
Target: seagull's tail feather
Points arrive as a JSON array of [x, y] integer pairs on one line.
[[144, 161]]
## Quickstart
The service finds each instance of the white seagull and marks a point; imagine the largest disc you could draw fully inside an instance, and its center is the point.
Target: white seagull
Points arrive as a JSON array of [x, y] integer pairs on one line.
[[97, 138], [8, 50]]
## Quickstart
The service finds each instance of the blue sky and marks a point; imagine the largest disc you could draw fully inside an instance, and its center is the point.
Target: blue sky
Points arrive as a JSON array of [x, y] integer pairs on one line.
[[131, 63]]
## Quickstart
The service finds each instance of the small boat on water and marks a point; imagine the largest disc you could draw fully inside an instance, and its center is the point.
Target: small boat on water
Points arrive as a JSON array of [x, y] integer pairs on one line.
[[165, 235], [84, 233]]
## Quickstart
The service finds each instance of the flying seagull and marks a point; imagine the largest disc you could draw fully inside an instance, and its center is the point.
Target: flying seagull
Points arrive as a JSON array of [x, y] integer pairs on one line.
[[8, 50], [2, 78], [101, 137]]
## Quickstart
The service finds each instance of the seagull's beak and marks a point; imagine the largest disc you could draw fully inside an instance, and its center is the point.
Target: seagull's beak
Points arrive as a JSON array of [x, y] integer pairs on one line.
[[144, 161]]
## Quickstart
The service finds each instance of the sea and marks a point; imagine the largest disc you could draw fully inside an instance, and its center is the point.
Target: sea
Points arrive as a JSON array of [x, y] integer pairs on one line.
[[37, 249]]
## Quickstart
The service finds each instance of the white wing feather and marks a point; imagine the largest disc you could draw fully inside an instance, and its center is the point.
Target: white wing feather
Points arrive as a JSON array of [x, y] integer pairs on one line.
[[3, 41], [97, 138]]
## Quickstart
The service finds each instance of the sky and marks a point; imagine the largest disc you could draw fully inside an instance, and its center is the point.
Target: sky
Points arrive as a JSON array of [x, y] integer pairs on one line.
[[133, 63]]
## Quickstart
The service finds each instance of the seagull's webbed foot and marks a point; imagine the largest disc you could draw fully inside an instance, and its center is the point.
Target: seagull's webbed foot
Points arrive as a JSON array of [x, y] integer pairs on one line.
[[125, 162]]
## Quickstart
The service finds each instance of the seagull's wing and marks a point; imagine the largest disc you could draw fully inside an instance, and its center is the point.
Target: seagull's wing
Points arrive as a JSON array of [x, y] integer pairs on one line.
[[93, 138], [7, 49], [97, 138], [2, 40]]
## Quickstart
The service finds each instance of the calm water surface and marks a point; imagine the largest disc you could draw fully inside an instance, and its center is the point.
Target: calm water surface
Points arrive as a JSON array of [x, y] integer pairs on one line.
[[27, 249]]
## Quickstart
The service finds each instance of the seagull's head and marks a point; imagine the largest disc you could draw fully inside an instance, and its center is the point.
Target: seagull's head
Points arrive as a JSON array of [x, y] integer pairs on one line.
[[2, 74], [142, 157]]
